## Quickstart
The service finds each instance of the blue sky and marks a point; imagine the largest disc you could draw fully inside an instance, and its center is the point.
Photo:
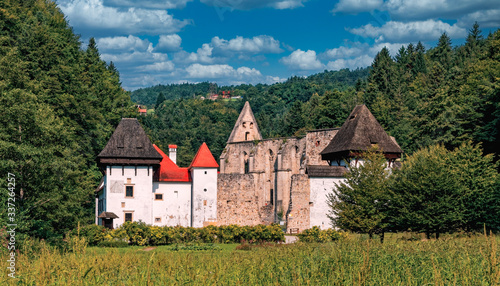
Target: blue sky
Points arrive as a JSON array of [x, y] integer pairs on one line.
[[256, 41]]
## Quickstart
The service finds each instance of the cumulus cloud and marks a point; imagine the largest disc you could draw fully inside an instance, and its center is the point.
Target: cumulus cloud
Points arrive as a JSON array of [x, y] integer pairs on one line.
[[117, 44], [97, 19], [253, 4], [486, 19], [220, 71], [357, 6], [169, 43], [393, 31], [202, 55], [410, 10], [301, 60], [445, 9], [158, 67], [350, 63], [148, 4], [255, 45], [358, 56]]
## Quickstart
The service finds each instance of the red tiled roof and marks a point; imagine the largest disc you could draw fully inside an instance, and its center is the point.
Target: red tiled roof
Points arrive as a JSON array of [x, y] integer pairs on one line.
[[172, 146], [169, 171], [204, 158]]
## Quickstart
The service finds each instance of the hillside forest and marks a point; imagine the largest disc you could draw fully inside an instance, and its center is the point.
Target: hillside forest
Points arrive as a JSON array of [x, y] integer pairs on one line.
[[62, 102]]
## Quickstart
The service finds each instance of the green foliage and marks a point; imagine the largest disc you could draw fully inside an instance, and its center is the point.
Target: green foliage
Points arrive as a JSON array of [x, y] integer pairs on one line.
[[93, 234], [438, 191], [353, 261], [315, 234], [139, 233], [360, 203], [62, 104]]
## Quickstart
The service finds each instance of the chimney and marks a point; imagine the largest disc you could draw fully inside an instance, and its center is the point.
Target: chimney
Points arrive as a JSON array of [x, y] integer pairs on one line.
[[172, 153]]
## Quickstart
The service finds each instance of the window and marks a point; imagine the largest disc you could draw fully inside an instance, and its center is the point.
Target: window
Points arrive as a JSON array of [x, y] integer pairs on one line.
[[158, 197], [128, 217], [247, 136], [157, 219], [204, 190], [123, 204], [205, 172], [271, 196], [129, 191]]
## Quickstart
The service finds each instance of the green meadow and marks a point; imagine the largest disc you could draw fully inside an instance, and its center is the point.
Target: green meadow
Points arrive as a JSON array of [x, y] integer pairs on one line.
[[353, 261]]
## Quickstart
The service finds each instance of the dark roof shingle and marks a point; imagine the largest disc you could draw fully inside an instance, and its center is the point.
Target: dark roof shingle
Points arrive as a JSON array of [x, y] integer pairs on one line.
[[325, 171], [129, 141], [359, 132]]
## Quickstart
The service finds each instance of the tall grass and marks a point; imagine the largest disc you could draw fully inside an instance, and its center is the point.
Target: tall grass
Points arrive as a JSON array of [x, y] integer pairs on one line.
[[353, 261]]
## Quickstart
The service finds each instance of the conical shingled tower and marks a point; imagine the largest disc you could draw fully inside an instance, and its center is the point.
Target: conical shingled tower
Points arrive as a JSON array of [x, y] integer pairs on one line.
[[359, 132], [246, 128]]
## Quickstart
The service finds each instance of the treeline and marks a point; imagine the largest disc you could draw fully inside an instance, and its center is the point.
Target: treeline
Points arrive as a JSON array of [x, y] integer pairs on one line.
[[290, 90], [435, 191], [60, 105], [445, 95]]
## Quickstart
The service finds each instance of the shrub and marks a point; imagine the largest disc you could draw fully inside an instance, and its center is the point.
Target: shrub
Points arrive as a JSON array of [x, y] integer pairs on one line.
[[92, 233], [315, 234], [113, 243]]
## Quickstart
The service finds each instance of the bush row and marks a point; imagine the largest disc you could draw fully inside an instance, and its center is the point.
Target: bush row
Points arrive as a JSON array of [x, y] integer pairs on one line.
[[315, 234], [139, 233]]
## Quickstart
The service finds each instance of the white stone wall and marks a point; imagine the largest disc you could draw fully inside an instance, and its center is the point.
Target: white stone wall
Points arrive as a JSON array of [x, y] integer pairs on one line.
[[204, 199], [319, 209], [140, 204], [175, 208]]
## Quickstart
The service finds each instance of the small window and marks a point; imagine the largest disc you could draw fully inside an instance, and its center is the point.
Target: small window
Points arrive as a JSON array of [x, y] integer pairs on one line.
[[128, 217], [158, 197], [204, 190], [157, 219], [205, 172], [204, 202], [129, 191], [123, 204]]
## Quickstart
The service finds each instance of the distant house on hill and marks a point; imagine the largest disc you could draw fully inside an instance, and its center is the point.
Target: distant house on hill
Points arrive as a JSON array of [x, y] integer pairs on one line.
[[141, 111], [142, 183]]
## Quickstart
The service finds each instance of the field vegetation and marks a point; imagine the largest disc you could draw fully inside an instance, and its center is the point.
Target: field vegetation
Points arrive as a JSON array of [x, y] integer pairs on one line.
[[353, 260]]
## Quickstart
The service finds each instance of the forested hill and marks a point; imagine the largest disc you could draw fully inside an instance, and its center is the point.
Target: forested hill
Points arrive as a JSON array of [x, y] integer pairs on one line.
[[61, 103], [442, 95], [293, 88]]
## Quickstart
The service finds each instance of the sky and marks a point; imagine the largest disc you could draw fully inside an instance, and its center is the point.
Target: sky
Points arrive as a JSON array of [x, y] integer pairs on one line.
[[232, 42]]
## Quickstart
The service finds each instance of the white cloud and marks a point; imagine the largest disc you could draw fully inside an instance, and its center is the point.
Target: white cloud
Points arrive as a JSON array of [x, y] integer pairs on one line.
[[169, 43], [99, 19], [358, 56], [406, 10], [148, 4], [158, 67], [485, 19], [221, 71], [301, 60], [357, 6], [253, 4], [257, 44], [344, 52], [202, 55], [444, 9], [350, 63], [398, 31], [130, 43]]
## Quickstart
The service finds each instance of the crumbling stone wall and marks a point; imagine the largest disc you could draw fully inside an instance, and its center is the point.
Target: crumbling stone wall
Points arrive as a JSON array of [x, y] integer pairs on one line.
[[270, 165], [298, 215]]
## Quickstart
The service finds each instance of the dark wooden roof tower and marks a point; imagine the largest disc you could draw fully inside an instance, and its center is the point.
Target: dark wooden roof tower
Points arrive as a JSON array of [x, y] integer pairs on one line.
[[129, 145], [359, 133]]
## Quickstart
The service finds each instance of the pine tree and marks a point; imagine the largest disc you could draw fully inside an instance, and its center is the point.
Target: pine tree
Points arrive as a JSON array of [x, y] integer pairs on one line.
[[360, 204]]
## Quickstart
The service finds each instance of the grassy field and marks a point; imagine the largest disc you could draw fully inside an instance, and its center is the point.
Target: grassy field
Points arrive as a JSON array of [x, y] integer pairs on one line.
[[355, 261]]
